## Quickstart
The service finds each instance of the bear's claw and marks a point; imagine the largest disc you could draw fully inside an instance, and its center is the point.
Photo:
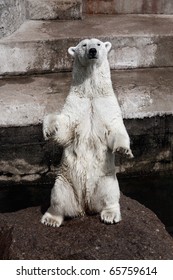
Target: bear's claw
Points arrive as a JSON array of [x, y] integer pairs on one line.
[[124, 151], [109, 217], [51, 220]]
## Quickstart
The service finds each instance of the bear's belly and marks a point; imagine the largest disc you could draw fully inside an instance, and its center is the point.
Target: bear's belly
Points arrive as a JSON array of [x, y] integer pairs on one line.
[[88, 157]]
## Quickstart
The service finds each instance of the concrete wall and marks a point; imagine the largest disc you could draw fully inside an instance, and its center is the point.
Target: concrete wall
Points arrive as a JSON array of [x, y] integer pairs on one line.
[[12, 15], [14, 12], [53, 9], [128, 6]]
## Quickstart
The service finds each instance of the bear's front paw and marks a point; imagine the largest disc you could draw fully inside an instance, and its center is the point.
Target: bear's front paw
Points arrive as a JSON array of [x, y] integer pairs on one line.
[[50, 127], [124, 151], [50, 132]]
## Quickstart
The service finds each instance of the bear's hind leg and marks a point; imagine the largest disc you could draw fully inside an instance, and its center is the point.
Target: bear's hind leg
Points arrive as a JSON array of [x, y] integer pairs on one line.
[[106, 199], [63, 203]]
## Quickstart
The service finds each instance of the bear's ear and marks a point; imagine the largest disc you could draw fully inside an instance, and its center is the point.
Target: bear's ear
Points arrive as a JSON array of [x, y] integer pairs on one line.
[[71, 51], [108, 46]]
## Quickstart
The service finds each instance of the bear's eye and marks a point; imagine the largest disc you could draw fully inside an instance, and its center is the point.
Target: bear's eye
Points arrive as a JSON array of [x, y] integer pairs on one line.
[[84, 45], [98, 44]]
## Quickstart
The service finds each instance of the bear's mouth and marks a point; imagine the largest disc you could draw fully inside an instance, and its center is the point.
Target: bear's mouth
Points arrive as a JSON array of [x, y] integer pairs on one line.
[[92, 56]]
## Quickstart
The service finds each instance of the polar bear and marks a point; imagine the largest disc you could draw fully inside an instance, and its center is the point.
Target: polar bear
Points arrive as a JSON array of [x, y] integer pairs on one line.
[[91, 130]]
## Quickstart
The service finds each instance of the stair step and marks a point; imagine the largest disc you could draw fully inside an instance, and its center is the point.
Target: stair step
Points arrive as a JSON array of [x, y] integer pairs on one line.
[[54, 9], [142, 93], [129, 6], [25, 100], [146, 99], [41, 46]]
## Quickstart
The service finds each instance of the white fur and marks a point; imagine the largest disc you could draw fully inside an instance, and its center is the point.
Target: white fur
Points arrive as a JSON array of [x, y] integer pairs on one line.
[[91, 129]]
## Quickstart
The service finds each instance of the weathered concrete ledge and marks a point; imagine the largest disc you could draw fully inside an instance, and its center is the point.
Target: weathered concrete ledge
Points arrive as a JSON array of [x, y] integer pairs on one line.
[[146, 100], [41, 46], [129, 7], [53, 9], [142, 93]]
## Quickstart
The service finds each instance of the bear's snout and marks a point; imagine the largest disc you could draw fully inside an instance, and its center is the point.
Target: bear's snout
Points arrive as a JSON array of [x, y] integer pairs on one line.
[[92, 53]]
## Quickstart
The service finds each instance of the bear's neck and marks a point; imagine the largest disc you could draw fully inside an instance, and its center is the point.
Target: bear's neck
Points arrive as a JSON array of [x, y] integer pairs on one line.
[[91, 81]]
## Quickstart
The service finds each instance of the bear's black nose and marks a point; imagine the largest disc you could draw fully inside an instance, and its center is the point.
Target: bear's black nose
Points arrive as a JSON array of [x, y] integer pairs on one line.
[[92, 53]]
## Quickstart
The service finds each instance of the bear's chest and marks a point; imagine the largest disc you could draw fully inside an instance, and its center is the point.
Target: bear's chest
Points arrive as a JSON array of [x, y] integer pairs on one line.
[[90, 128]]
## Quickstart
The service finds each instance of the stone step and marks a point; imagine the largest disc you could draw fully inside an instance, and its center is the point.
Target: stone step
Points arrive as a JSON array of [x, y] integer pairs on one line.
[[129, 6], [146, 100], [142, 93], [41, 46], [14, 13], [53, 9]]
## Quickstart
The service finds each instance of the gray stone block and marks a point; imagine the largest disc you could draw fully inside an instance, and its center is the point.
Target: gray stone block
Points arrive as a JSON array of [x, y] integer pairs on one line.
[[53, 9], [12, 15]]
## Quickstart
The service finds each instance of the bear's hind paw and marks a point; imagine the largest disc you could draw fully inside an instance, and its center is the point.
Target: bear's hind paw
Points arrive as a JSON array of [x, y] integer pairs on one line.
[[109, 217], [51, 220]]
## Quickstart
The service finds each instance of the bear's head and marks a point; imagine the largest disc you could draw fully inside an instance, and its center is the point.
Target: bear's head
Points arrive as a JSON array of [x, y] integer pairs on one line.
[[90, 51]]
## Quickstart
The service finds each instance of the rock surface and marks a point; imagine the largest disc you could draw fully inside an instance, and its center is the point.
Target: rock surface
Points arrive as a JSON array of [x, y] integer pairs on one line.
[[140, 235]]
